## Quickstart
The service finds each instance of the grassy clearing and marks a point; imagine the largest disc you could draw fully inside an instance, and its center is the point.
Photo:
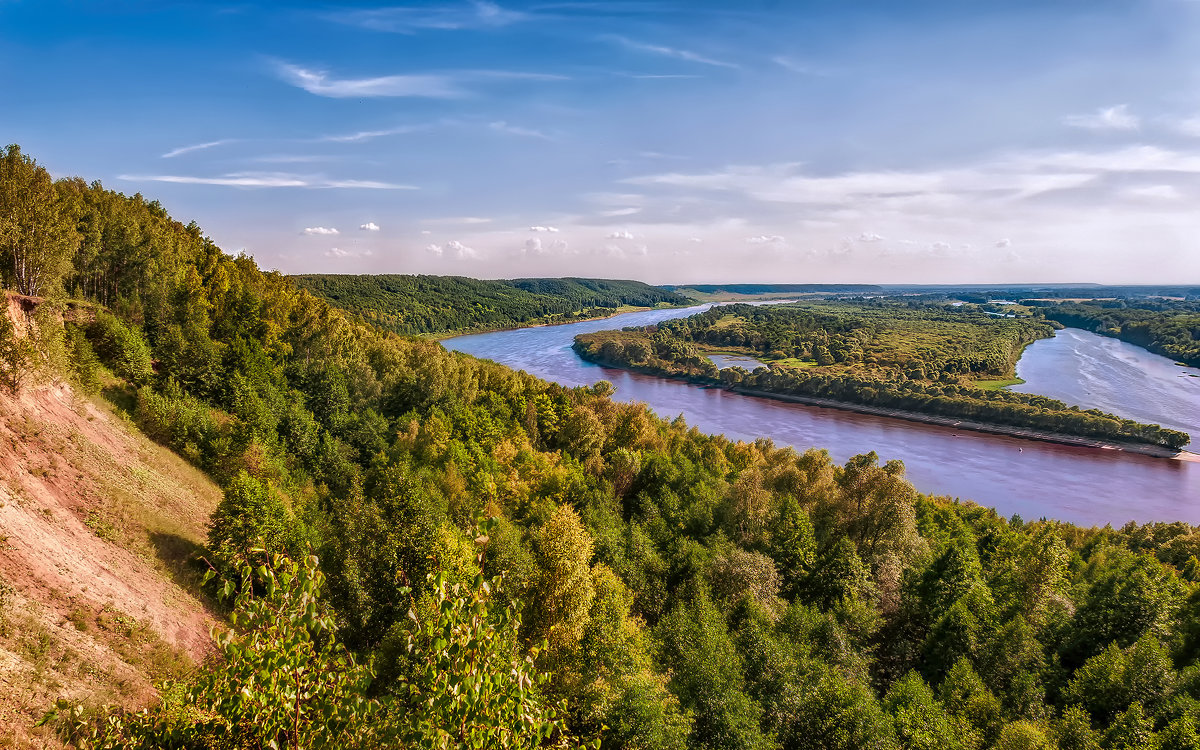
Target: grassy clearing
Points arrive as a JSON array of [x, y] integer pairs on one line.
[[790, 362], [995, 385]]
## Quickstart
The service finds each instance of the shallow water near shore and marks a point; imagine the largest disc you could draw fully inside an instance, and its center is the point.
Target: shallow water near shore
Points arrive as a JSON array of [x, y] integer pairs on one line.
[[1034, 479]]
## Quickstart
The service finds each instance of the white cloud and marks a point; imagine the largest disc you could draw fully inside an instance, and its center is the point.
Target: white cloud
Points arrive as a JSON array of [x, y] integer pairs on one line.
[[695, 239], [940, 248], [1154, 192], [426, 231], [320, 83], [869, 237], [467, 220], [653, 76], [619, 236], [543, 229], [366, 135], [320, 230], [1189, 126], [678, 54], [500, 126], [452, 249], [799, 67], [999, 183], [766, 239], [534, 246], [450, 17], [197, 147], [370, 226], [267, 180], [1105, 118], [1004, 242], [627, 211], [337, 252]]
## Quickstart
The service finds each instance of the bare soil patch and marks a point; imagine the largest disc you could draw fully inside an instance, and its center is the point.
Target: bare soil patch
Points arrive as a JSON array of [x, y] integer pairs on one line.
[[97, 525]]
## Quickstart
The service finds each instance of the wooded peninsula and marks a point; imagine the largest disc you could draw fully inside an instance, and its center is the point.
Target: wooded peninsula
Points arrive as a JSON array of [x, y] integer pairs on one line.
[[944, 359]]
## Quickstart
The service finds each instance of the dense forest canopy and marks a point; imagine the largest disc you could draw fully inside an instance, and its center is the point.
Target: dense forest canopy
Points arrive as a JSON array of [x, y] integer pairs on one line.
[[435, 304], [923, 358], [428, 550]]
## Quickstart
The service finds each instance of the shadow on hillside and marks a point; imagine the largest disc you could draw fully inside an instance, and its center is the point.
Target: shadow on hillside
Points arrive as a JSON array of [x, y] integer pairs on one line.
[[185, 562], [122, 396]]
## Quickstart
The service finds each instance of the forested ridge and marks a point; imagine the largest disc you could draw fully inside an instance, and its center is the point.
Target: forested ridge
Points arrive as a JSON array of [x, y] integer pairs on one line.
[[436, 304], [911, 356], [1167, 327], [421, 549]]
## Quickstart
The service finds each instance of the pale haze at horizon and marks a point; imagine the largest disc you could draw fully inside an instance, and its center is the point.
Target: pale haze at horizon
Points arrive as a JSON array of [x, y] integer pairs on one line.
[[934, 142]]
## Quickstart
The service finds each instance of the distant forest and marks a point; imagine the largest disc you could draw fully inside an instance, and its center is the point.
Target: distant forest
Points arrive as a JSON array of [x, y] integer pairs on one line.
[[435, 304], [777, 288], [1168, 327]]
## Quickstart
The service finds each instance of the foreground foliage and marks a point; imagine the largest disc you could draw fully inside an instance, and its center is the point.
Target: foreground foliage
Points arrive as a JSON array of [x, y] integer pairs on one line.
[[285, 680], [678, 589]]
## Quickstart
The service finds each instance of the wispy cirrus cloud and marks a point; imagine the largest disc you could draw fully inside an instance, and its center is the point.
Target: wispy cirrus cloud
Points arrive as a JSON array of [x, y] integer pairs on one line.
[[197, 147], [799, 66], [655, 76], [1105, 118], [368, 135], [467, 220], [455, 17], [454, 84], [500, 126], [321, 83], [673, 52], [1189, 126], [267, 180]]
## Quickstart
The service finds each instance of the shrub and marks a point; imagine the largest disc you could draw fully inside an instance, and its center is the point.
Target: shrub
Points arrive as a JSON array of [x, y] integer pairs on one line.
[[122, 348]]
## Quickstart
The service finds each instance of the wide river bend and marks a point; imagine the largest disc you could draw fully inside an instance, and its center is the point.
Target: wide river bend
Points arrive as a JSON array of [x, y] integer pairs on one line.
[[1034, 479]]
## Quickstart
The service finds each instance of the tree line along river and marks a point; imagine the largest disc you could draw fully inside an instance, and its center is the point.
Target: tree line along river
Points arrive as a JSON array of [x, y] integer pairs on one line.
[[1033, 479]]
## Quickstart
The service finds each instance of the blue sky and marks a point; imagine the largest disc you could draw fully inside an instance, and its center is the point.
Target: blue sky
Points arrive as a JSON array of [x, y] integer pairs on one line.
[[958, 141]]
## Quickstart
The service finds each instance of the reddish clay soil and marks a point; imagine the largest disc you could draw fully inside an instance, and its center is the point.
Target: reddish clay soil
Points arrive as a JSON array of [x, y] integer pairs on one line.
[[97, 525]]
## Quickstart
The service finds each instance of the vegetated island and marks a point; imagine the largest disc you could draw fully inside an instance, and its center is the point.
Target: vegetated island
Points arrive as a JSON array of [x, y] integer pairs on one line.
[[418, 305], [937, 363]]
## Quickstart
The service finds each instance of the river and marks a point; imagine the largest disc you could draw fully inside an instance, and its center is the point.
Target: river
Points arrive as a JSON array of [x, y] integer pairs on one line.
[[1033, 479]]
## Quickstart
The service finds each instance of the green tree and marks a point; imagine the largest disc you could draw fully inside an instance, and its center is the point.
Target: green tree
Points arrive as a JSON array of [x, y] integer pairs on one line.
[[565, 590], [921, 721], [250, 516], [37, 237]]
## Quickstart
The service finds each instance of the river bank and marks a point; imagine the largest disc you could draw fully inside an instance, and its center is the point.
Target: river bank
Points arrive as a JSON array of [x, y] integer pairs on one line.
[[1144, 449]]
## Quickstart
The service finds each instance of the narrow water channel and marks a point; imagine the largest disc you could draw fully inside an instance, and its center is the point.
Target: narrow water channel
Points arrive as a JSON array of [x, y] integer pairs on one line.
[[1034, 479]]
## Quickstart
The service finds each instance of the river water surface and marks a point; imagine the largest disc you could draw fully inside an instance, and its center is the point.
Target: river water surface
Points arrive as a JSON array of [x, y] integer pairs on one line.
[[1034, 479]]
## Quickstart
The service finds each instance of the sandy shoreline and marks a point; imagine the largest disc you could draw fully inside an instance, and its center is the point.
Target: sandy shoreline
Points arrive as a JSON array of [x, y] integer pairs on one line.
[[1146, 449]]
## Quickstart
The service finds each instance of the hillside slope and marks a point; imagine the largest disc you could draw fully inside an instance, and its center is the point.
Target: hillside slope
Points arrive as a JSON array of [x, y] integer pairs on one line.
[[96, 526]]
